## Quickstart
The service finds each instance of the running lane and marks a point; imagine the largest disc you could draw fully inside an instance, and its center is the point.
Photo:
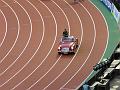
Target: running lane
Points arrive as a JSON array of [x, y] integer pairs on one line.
[[3, 27], [12, 30], [53, 57], [26, 39], [28, 55], [52, 78], [46, 69], [23, 39], [98, 50], [62, 64]]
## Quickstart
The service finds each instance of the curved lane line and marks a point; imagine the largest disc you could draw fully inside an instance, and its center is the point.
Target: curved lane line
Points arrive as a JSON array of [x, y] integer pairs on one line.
[[32, 57], [90, 50], [58, 58], [106, 44], [44, 74], [6, 28], [76, 52], [17, 33], [24, 47], [26, 44], [64, 15]]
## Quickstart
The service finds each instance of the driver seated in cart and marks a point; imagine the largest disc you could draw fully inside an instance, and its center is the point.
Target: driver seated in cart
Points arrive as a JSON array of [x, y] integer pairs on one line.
[[65, 33]]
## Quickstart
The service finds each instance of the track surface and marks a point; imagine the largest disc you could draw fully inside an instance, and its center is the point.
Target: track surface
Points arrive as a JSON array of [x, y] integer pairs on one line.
[[29, 36]]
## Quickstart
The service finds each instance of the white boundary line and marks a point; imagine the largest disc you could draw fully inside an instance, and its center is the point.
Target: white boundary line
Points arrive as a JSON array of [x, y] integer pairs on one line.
[[57, 60], [76, 52], [48, 52], [64, 15], [44, 74], [17, 33], [38, 46], [28, 40], [24, 47], [106, 44], [90, 50], [6, 28], [60, 56]]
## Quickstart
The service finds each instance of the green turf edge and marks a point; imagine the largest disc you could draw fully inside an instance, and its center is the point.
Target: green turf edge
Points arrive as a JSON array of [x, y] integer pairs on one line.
[[114, 32]]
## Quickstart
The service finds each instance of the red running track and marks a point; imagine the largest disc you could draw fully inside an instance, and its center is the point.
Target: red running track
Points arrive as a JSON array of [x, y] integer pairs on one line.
[[30, 33]]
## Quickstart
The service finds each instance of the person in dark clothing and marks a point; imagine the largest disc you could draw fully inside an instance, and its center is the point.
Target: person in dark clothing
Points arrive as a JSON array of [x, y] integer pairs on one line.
[[86, 86], [65, 33]]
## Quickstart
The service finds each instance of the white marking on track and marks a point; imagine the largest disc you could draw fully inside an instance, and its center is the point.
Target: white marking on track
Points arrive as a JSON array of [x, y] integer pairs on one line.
[[64, 15], [90, 50], [58, 58], [6, 28], [24, 47], [106, 44], [48, 52], [76, 52], [27, 44], [17, 33], [45, 73]]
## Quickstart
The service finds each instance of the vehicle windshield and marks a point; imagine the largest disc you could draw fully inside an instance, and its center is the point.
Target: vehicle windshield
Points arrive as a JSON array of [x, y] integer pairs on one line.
[[67, 39]]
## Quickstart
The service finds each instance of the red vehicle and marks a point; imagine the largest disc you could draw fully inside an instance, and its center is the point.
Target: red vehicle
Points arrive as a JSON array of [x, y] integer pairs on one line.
[[68, 45]]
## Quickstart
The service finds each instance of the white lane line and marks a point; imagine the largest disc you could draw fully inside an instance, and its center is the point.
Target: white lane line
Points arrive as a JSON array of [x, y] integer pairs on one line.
[[64, 15], [26, 44], [39, 44], [106, 43], [17, 32], [76, 52], [24, 47], [58, 58], [46, 55], [90, 50], [44, 74], [5, 27]]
